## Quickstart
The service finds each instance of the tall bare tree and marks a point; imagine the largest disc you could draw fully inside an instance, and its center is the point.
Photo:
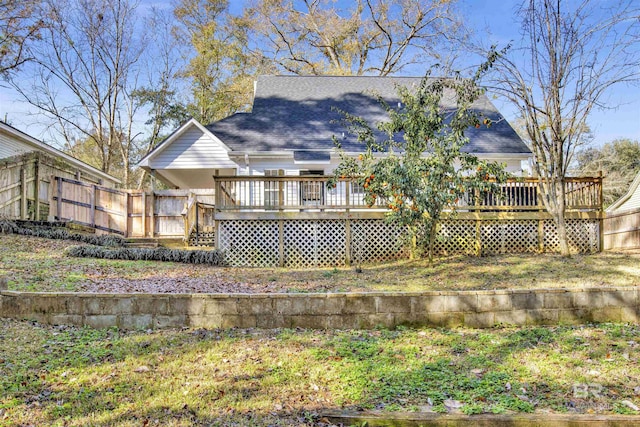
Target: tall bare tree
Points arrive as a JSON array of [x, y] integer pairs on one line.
[[84, 73], [572, 53], [356, 37], [19, 24]]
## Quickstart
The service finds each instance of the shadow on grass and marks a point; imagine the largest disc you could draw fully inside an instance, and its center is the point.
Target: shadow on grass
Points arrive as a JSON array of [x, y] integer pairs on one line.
[[246, 377]]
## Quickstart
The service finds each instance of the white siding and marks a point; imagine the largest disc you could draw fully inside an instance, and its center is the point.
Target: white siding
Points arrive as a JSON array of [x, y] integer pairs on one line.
[[632, 202], [10, 146], [192, 150]]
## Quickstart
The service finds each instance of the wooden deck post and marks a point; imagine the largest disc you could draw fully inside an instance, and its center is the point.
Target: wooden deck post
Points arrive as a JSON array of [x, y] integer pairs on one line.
[[601, 214]]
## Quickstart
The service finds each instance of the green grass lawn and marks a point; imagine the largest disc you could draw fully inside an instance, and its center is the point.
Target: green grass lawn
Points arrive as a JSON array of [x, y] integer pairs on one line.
[[36, 264], [62, 376]]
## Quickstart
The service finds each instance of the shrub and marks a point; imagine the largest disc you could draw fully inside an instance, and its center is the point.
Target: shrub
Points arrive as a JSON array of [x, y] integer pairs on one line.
[[214, 257], [51, 232]]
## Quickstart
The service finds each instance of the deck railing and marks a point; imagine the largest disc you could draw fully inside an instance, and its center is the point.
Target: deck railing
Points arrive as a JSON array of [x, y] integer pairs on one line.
[[312, 193]]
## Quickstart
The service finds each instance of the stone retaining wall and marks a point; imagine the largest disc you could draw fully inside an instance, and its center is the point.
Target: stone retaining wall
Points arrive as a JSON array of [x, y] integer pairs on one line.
[[475, 309]]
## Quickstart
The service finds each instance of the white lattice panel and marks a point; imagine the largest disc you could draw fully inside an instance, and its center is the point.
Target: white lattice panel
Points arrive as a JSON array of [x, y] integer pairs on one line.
[[250, 242], [501, 237], [456, 237], [314, 243], [374, 240], [583, 236]]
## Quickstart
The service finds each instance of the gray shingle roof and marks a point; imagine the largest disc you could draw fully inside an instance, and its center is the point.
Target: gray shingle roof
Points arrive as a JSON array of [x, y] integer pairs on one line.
[[295, 113]]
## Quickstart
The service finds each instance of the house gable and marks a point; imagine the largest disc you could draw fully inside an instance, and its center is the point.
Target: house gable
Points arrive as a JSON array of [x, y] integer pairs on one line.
[[190, 147]]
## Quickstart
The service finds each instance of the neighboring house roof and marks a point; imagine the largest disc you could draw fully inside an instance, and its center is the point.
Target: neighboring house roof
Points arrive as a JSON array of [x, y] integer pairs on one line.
[[629, 201], [298, 113], [29, 144]]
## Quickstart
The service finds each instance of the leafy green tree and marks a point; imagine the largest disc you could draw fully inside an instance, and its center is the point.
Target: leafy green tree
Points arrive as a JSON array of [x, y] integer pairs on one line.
[[415, 165], [619, 162], [220, 71]]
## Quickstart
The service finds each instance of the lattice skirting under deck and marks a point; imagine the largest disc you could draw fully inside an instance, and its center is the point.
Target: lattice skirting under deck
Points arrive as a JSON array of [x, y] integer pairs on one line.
[[334, 242]]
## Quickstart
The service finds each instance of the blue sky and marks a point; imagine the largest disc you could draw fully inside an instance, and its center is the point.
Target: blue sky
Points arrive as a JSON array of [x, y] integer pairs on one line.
[[493, 20]]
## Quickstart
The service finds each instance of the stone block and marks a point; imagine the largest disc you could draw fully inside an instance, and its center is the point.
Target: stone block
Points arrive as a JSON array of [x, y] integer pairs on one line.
[[74, 305], [222, 306], [555, 300], [527, 300], [193, 306], [587, 299], [253, 306], [429, 303], [542, 317], [135, 321], [119, 306], [511, 317], [359, 304], [150, 304], [343, 321], [619, 298], [92, 306], [446, 320], [273, 321], [479, 320], [308, 321], [573, 316], [494, 302], [380, 320], [290, 306], [164, 321], [334, 304], [393, 304], [178, 304], [100, 321], [239, 321], [629, 315], [461, 303], [205, 321], [67, 319], [606, 314]]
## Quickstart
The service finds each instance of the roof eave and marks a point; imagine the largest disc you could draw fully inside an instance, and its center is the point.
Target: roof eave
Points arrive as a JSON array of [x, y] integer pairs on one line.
[[55, 152]]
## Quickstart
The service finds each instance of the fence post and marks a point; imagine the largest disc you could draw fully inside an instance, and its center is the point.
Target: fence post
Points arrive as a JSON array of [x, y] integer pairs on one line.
[[59, 201], [152, 213], [23, 193], [36, 187], [127, 208], [92, 211]]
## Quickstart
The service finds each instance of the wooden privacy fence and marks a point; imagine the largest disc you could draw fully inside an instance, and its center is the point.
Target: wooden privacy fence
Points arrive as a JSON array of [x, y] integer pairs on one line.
[[622, 230], [25, 185], [129, 213]]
